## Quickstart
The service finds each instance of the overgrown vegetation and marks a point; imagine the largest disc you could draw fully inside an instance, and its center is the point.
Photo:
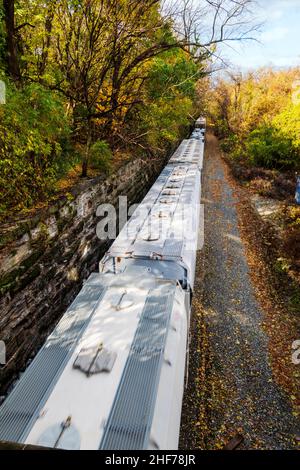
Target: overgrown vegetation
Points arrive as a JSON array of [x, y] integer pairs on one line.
[[258, 118], [89, 79], [34, 130]]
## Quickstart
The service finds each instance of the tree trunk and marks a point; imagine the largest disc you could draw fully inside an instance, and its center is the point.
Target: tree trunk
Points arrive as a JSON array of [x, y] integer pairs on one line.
[[13, 68], [48, 31], [86, 157]]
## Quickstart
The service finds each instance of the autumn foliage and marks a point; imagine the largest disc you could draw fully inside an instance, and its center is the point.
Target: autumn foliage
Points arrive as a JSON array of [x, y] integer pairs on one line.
[[91, 79], [257, 115], [85, 80]]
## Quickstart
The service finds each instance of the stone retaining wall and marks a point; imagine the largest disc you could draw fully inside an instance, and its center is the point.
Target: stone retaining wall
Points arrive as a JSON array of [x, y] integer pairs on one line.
[[44, 260]]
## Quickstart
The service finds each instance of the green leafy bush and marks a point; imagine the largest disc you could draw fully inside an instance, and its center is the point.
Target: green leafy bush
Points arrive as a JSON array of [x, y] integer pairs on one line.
[[267, 147], [101, 156], [229, 143], [33, 127]]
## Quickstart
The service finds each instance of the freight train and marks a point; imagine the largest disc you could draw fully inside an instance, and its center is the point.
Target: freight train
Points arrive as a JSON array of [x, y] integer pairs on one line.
[[111, 375]]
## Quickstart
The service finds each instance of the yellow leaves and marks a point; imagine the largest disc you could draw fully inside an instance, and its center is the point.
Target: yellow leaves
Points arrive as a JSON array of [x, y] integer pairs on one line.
[[101, 107], [294, 215], [247, 101], [100, 121]]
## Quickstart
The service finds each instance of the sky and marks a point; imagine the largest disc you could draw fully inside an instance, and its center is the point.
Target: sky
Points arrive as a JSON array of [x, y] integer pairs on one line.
[[279, 38]]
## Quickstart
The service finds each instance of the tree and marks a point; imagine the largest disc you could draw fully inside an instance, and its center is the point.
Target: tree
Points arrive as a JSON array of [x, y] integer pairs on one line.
[[255, 114], [203, 25], [98, 52], [124, 71], [100, 85], [13, 68]]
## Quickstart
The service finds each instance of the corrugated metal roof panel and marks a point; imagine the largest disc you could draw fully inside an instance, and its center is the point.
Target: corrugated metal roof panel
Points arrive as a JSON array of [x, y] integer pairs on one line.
[[24, 403], [130, 419]]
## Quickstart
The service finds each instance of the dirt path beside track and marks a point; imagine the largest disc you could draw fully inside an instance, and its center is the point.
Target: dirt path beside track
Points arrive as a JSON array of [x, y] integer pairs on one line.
[[231, 385]]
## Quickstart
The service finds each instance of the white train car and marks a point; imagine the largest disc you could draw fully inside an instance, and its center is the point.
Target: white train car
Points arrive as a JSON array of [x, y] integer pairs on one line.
[[200, 123], [198, 134], [107, 377], [189, 151], [111, 375], [162, 234]]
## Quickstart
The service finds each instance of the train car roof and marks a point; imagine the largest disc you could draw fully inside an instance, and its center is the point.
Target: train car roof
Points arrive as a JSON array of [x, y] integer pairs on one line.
[[165, 225], [94, 382], [189, 151]]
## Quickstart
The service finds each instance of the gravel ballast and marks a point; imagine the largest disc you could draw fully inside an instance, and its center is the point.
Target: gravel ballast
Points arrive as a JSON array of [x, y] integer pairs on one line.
[[231, 386]]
